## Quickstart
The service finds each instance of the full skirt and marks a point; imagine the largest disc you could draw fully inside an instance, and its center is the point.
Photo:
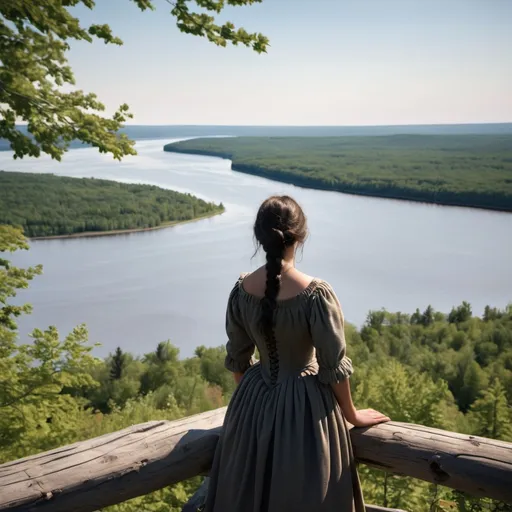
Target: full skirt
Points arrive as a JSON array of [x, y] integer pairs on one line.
[[284, 448]]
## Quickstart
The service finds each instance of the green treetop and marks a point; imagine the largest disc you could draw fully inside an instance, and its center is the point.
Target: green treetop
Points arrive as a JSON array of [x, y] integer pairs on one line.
[[491, 413]]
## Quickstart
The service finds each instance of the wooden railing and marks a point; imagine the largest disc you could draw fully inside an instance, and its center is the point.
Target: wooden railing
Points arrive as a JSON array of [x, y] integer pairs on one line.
[[90, 475]]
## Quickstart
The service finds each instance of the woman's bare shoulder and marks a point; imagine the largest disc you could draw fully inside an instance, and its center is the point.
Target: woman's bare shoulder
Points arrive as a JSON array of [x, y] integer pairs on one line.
[[252, 282], [293, 283], [300, 278]]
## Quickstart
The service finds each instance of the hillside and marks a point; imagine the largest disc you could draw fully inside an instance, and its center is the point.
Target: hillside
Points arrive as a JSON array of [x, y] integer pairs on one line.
[[46, 205], [461, 170]]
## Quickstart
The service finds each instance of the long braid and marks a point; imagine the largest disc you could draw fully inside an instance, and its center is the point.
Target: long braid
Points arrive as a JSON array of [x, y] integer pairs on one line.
[[280, 224], [273, 267]]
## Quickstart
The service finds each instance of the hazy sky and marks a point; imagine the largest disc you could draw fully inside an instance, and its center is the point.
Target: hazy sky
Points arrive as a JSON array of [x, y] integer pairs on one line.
[[331, 62]]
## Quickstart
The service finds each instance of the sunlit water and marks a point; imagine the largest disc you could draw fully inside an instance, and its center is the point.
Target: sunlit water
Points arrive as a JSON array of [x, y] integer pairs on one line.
[[136, 290]]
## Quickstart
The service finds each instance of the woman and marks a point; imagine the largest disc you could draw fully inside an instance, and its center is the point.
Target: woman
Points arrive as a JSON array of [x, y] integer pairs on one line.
[[285, 445]]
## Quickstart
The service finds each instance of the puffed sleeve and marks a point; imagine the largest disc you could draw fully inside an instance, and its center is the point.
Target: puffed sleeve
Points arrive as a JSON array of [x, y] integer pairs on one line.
[[326, 324], [240, 347]]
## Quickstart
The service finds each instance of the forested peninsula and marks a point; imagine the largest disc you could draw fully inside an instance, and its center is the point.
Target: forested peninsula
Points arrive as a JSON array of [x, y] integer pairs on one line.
[[459, 170], [45, 205]]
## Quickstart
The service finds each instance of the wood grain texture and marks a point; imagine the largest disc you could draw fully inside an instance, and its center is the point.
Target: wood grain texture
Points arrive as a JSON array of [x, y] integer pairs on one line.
[[478, 466], [110, 469]]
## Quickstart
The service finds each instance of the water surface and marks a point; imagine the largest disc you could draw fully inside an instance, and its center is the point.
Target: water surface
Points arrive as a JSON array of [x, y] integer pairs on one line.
[[138, 289]]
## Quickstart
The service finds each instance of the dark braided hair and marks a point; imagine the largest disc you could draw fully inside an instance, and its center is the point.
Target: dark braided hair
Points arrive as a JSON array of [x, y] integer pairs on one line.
[[280, 224]]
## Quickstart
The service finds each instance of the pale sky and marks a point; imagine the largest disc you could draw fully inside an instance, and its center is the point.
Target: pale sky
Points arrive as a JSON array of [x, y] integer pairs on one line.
[[331, 62]]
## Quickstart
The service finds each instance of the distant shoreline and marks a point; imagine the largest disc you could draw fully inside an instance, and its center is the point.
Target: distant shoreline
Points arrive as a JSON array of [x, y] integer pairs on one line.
[[441, 198], [141, 132], [116, 232]]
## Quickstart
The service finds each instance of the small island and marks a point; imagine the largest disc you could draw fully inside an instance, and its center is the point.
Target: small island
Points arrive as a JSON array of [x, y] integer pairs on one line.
[[458, 170], [49, 206]]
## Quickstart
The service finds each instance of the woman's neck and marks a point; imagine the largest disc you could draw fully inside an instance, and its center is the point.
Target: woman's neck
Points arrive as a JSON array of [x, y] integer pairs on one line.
[[289, 257], [288, 263]]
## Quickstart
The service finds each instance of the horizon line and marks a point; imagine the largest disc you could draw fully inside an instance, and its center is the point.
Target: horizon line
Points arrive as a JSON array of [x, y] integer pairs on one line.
[[321, 125]]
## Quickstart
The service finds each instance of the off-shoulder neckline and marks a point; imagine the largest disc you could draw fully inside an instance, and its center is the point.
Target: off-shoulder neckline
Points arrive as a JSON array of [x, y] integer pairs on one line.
[[280, 302]]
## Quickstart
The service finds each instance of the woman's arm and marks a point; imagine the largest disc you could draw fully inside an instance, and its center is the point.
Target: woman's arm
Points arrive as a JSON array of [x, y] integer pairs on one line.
[[363, 418], [327, 331], [240, 347]]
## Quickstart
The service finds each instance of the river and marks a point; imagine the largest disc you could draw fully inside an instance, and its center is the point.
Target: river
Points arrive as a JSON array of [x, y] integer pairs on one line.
[[138, 289]]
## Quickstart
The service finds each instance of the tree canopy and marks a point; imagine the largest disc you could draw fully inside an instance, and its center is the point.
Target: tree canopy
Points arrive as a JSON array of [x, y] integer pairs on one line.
[[34, 38], [461, 170]]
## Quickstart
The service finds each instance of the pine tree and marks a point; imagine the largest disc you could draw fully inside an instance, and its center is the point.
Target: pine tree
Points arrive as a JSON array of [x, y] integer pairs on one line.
[[491, 413], [427, 318], [117, 365]]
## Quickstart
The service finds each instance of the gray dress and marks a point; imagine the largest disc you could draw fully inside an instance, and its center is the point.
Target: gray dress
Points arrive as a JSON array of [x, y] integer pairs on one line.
[[285, 445]]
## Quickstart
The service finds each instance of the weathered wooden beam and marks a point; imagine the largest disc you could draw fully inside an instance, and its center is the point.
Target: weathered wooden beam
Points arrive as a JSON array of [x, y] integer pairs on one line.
[[478, 466], [92, 474]]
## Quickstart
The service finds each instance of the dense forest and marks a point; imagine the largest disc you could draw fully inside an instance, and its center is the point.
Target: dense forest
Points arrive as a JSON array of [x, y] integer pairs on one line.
[[464, 170], [452, 371], [48, 205]]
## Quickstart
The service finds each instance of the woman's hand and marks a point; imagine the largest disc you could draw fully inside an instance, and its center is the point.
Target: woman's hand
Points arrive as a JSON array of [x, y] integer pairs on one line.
[[367, 418], [363, 418]]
